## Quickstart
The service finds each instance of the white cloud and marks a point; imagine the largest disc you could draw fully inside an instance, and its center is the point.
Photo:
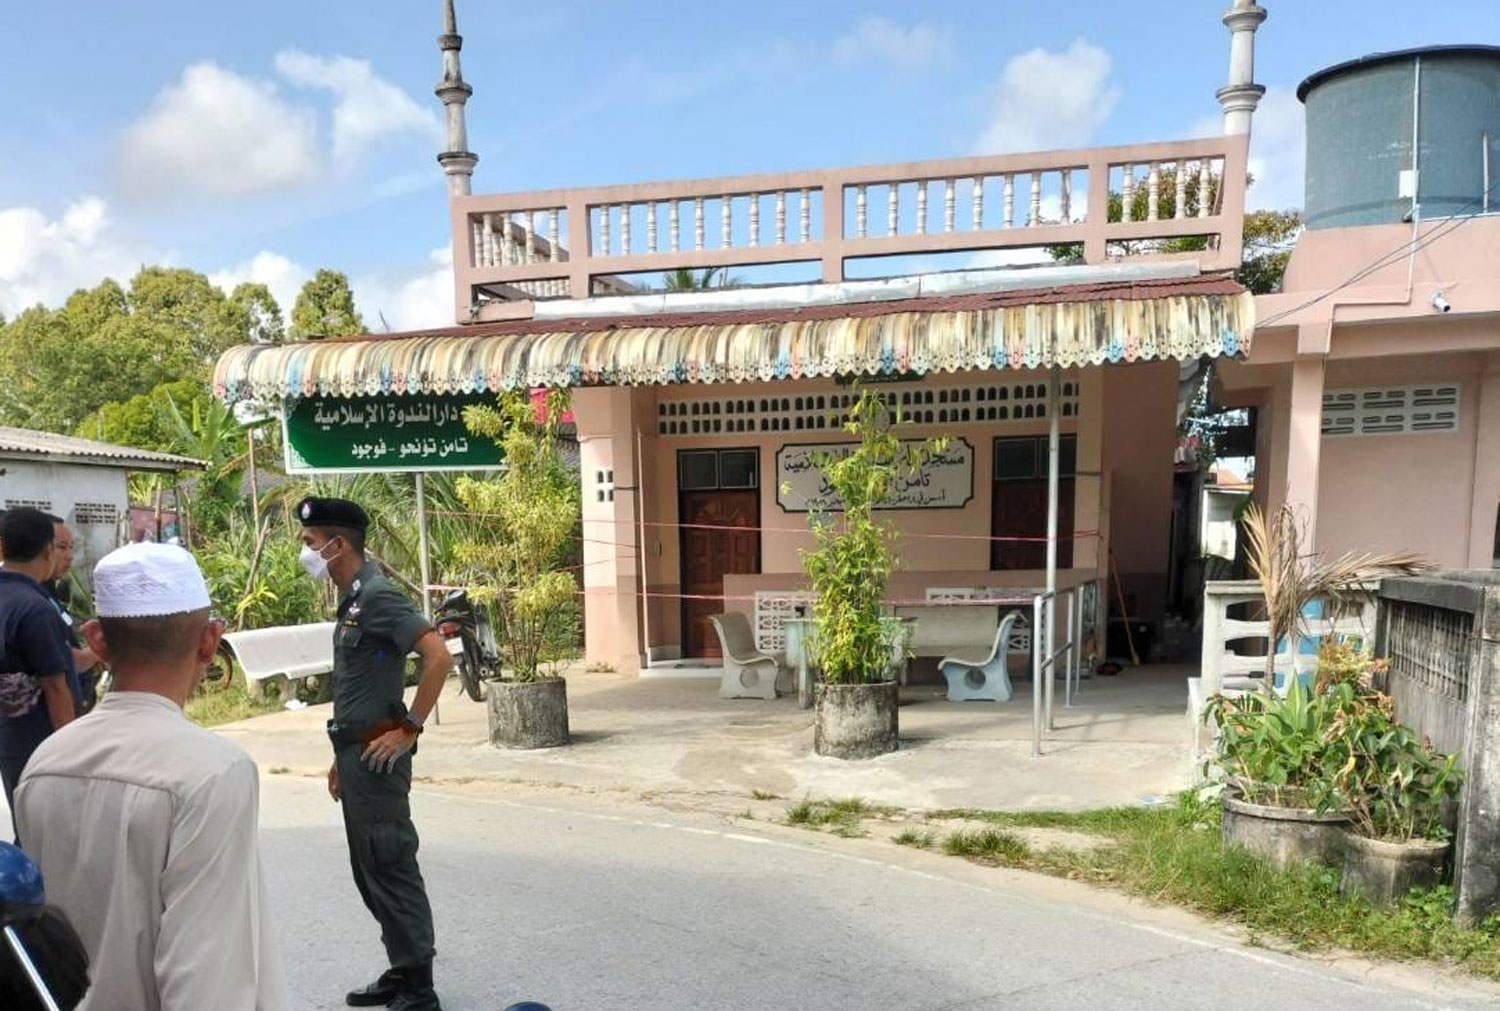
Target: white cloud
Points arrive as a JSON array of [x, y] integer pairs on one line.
[[1046, 100], [412, 299], [282, 275], [1278, 152], [215, 132], [367, 108], [905, 47], [1278, 149], [44, 261]]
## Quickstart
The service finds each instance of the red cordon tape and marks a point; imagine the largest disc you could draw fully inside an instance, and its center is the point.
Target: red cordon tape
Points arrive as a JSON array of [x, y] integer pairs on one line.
[[898, 602], [912, 535]]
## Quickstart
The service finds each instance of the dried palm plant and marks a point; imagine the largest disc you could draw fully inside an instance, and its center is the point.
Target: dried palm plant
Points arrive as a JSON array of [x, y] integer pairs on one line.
[[1291, 579]]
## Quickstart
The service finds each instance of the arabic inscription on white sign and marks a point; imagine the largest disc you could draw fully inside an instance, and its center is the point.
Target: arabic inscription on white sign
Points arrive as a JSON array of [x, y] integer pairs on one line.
[[944, 482]]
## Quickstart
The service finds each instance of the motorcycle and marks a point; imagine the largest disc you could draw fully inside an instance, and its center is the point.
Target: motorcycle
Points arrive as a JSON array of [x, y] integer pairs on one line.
[[457, 618]]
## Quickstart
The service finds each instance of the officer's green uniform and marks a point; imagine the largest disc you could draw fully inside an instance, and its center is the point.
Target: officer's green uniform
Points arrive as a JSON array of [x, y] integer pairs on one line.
[[377, 628]]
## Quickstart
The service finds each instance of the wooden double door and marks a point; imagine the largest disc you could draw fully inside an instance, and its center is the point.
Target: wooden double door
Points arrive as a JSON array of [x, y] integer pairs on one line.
[[708, 555]]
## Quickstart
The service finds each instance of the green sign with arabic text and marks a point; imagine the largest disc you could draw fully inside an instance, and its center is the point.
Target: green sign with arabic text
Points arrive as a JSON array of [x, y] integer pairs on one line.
[[389, 433]]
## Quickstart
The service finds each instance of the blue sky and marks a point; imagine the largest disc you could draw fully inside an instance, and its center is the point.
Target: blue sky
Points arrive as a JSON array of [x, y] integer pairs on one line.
[[268, 139]]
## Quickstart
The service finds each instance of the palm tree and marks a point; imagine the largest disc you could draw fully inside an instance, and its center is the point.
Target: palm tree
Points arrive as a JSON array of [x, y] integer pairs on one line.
[[1291, 579], [685, 279]]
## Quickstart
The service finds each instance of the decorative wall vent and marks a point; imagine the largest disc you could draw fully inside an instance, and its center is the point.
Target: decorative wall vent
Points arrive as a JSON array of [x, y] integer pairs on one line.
[[823, 412], [772, 609], [604, 485], [1392, 410], [96, 514], [45, 505]]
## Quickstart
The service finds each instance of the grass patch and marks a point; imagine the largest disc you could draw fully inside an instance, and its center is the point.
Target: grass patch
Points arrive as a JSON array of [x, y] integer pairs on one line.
[[917, 839], [764, 795], [990, 845], [843, 817], [210, 709], [1175, 854]]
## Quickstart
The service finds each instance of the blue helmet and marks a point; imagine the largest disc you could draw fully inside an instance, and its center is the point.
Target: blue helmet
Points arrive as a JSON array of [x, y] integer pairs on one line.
[[528, 1005], [20, 880]]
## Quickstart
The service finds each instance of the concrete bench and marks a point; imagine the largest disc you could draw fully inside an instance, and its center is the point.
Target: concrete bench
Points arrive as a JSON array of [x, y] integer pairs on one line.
[[290, 652]]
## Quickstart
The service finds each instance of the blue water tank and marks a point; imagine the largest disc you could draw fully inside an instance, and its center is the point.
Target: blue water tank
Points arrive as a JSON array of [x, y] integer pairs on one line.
[[1360, 128]]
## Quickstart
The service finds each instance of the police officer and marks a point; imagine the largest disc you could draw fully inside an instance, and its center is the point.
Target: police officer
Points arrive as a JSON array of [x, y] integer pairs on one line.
[[374, 737]]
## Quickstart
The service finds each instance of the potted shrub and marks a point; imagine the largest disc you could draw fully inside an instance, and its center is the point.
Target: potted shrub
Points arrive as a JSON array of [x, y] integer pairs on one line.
[[528, 519], [855, 704], [1281, 801], [1396, 788]]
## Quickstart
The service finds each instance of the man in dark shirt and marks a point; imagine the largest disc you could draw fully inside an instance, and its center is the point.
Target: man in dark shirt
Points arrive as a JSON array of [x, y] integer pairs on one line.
[[38, 689], [60, 589]]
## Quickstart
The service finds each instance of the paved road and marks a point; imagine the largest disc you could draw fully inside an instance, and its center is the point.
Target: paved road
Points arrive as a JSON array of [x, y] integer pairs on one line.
[[591, 904]]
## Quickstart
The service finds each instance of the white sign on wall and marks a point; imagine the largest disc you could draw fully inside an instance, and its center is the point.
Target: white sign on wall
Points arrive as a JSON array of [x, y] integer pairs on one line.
[[944, 482]]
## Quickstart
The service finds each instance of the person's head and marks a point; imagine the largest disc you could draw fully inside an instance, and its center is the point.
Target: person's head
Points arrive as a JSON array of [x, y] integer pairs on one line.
[[28, 540], [62, 541], [333, 538], [154, 629]]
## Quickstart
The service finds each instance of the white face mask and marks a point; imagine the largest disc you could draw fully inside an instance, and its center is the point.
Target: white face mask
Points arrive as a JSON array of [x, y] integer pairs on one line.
[[313, 562]]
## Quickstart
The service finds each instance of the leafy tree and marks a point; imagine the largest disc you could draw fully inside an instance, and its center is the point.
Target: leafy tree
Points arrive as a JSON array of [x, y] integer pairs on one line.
[[1268, 235], [142, 421], [528, 518], [263, 316], [107, 344], [325, 308]]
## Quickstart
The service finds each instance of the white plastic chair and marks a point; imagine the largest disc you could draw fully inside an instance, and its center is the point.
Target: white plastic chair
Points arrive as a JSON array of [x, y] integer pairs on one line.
[[984, 680], [748, 673]]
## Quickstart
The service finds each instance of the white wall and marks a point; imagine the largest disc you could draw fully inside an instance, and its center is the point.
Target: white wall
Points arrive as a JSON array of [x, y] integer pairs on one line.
[[61, 488]]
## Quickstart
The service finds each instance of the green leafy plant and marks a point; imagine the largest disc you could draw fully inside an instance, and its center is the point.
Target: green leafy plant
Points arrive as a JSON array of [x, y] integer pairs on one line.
[[852, 563], [1273, 748], [529, 517], [1394, 783]]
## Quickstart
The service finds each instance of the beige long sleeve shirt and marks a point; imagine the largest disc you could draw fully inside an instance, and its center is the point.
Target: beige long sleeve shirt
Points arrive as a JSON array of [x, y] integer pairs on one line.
[[144, 826]]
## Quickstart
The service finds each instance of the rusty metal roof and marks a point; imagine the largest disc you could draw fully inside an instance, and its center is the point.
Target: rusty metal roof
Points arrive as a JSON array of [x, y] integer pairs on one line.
[[25, 443], [1071, 325]]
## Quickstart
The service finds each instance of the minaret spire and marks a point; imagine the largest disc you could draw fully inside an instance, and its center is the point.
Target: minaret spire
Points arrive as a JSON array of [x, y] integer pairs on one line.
[[457, 161], [1241, 95]]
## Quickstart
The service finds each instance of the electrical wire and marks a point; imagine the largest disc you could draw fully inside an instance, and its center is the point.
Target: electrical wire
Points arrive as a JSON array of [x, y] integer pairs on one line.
[[1411, 247]]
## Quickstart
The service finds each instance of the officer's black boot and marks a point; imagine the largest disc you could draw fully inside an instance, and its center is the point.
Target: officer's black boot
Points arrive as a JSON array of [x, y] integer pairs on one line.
[[379, 993], [416, 993]]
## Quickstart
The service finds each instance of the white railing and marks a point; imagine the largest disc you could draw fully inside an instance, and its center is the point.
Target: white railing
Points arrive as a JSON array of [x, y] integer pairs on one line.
[[1223, 670]]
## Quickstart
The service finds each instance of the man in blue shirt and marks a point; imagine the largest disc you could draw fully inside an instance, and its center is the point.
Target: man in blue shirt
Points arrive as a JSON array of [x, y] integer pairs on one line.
[[38, 688]]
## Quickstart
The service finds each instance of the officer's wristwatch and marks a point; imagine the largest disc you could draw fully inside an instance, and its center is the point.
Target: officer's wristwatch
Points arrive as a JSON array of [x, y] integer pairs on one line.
[[411, 726]]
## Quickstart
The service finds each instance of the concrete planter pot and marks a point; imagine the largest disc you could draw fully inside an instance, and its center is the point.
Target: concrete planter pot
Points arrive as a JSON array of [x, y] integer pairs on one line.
[[527, 714], [1284, 836], [856, 721], [1383, 872]]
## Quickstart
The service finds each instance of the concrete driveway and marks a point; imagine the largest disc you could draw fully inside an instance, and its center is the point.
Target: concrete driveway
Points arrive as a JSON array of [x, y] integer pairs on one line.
[[1123, 742]]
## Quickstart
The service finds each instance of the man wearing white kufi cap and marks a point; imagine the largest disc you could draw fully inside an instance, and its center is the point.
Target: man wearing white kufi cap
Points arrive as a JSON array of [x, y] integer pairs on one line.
[[144, 824]]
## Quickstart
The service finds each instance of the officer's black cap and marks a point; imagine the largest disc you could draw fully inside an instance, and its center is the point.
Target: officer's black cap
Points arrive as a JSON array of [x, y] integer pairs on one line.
[[332, 512]]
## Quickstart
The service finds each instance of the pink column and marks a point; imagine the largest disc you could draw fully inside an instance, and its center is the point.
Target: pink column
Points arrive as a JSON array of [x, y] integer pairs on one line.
[[1486, 465], [1304, 441], [611, 581]]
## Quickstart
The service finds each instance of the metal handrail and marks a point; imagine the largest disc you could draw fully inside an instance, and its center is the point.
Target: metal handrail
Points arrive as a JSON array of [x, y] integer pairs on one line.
[[1044, 664]]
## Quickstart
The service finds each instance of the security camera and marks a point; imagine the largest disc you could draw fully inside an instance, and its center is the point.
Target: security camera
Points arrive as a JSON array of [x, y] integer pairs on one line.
[[1440, 303]]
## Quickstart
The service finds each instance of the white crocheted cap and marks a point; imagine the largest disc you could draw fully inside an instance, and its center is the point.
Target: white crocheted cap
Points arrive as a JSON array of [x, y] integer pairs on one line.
[[146, 580]]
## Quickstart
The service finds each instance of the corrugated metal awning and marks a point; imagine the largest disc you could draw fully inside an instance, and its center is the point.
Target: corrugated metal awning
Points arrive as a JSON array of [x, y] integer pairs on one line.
[[1074, 325]]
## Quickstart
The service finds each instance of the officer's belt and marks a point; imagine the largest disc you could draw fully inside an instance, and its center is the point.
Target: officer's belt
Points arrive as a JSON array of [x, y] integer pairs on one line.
[[344, 734]]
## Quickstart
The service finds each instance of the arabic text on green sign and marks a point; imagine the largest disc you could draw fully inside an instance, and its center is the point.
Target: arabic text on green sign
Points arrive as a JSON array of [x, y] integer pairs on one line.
[[386, 434]]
